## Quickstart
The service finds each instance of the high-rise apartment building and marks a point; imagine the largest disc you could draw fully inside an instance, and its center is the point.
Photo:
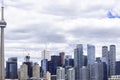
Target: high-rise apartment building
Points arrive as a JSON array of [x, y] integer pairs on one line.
[[60, 73], [78, 60], [91, 60], [99, 70], [91, 54], [70, 74], [105, 54], [112, 59], [84, 73], [36, 71], [23, 72]]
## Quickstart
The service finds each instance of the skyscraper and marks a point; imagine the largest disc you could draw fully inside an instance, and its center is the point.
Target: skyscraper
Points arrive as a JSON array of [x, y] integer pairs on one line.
[[2, 26], [60, 73], [100, 70], [69, 61], [91, 53], [104, 51], [62, 58], [36, 71], [44, 67], [71, 74], [105, 54], [84, 73], [23, 72], [91, 60], [11, 68], [112, 59], [85, 60], [46, 55], [117, 68], [78, 60], [29, 66]]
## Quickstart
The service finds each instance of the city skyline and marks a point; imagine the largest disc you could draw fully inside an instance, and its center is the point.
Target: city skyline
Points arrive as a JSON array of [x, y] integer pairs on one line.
[[61, 25], [79, 67]]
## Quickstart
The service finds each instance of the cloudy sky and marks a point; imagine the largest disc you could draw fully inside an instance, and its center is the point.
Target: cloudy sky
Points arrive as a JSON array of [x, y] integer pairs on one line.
[[60, 25]]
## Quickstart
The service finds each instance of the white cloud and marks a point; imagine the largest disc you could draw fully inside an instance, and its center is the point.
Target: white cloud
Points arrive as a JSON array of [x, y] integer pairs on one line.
[[32, 24]]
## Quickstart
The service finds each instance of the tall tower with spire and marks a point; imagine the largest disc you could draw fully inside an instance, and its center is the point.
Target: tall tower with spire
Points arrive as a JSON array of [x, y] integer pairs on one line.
[[2, 26]]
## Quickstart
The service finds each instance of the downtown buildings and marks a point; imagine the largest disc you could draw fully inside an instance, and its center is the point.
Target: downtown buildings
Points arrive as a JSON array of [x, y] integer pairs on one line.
[[81, 67], [96, 68]]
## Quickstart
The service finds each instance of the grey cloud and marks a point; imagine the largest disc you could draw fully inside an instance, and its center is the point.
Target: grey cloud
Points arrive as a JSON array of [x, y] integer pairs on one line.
[[96, 33], [39, 33]]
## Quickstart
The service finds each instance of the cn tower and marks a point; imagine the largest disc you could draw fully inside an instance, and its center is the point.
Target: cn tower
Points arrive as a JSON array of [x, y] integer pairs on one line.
[[2, 26]]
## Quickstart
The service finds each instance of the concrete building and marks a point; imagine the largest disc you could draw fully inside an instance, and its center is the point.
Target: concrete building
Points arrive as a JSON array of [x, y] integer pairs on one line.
[[70, 74], [105, 53], [48, 75], [84, 73], [112, 59], [60, 73], [36, 70], [2, 26], [23, 72], [78, 60]]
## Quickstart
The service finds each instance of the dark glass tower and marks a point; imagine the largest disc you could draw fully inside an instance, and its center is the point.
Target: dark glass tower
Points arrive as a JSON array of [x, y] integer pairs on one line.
[[29, 64], [53, 64], [11, 68]]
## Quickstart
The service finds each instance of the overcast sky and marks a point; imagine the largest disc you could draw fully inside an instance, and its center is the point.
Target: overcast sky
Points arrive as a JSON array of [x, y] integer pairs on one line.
[[60, 24]]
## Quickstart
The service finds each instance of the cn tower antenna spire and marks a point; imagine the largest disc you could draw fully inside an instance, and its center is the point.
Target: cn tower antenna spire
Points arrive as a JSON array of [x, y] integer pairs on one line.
[[2, 26], [2, 10]]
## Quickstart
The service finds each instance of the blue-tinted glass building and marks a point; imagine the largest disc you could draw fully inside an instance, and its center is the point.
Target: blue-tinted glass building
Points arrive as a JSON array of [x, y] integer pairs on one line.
[[85, 60], [44, 64], [69, 61], [117, 68], [78, 60], [11, 68]]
